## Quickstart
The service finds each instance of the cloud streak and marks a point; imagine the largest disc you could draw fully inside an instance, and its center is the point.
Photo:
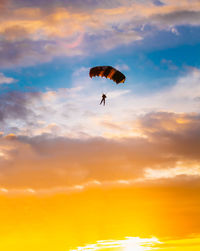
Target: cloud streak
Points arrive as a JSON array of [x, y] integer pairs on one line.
[[128, 243], [6, 80]]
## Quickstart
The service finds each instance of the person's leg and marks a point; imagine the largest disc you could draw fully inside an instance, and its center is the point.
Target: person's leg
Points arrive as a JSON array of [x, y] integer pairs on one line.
[[104, 102], [101, 101]]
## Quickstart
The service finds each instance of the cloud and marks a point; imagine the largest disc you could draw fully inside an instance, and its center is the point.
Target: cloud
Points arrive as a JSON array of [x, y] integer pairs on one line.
[[172, 172], [83, 141], [179, 133], [6, 80], [144, 244], [123, 67], [76, 115], [176, 18], [16, 109], [26, 52], [128, 243], [31, 33], [170, 144]]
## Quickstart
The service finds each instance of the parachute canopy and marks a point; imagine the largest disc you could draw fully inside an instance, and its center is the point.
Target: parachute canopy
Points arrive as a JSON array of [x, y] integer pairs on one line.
[[108, 72]]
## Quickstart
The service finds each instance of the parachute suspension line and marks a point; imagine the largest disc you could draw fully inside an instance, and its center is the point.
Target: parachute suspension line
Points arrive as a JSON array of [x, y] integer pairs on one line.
[[107, 72], [104, 90]]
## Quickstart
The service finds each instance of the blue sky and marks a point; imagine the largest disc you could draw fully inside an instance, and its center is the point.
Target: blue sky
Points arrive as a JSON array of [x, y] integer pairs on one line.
[[46, 92], [57, 141], [152, 63], [49, 51]]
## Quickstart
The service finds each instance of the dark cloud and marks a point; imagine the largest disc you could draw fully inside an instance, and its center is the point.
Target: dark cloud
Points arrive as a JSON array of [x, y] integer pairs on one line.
[[61, 161], [3, 4], [76, 5], [178, 134], [183, 17], [25, 52], [14, 105], [158, 3]]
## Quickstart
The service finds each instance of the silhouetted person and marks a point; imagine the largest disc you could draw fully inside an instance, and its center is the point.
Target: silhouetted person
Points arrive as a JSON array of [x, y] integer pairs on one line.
[[103, 99]]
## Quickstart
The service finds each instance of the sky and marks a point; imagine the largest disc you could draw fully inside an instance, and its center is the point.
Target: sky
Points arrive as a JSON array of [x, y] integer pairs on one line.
[[76, 175]]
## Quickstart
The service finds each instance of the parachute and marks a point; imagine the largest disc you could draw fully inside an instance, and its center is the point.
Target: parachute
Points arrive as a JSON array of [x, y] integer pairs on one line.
[[108, 72]]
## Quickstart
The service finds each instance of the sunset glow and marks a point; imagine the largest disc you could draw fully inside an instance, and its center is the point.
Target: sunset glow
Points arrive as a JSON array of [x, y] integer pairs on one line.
[[129, 244], [78, 175]]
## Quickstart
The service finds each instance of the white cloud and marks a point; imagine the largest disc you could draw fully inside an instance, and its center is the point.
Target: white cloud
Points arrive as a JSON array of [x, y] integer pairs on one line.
[[6, 80], [122, 67], [167, 173], [77, 113], [129, 243], [175, 31]]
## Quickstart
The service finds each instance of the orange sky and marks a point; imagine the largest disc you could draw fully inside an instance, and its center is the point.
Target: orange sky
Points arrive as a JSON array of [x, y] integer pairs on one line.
[[67, 221], [79, 192], [78, 176]]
